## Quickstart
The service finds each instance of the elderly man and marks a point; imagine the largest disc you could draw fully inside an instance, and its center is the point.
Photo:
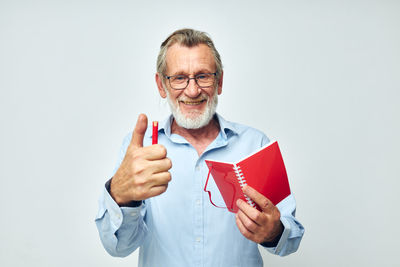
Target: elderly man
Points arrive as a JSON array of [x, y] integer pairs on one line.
[[156, 201]]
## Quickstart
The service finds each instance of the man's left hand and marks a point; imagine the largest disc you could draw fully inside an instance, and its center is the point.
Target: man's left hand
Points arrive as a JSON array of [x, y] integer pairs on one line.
[[258, 226]]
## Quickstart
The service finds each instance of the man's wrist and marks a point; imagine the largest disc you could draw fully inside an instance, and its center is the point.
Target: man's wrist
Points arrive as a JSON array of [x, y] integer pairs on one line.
[[274, 243], [131, 204]]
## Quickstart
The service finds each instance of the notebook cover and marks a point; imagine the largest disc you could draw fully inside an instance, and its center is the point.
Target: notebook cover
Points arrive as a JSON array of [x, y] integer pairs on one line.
[[263, 170], [227, 182]]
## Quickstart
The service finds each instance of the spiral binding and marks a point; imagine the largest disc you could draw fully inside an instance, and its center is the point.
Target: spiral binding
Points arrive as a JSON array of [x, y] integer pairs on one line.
[[242, 181]]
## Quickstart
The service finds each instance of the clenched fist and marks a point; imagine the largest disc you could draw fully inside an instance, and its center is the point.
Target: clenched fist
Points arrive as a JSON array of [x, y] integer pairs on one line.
[[143, 172]]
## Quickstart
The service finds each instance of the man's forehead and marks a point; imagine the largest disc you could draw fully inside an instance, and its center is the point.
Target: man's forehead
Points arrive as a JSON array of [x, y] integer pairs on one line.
[[182, 56]]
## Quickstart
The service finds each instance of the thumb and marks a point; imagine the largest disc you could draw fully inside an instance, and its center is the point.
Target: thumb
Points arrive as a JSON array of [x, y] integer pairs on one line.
[[264, 203], [140, 130]]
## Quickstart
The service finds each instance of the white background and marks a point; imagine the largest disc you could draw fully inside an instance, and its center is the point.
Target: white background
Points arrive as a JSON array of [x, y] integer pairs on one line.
[[321, 77]]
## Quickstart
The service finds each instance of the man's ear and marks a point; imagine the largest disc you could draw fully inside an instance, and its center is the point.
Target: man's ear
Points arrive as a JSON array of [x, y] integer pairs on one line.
[[160, 86], [221, 78]]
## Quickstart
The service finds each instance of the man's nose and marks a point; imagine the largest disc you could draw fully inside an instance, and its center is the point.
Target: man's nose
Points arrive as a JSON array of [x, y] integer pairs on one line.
[[192, 90]]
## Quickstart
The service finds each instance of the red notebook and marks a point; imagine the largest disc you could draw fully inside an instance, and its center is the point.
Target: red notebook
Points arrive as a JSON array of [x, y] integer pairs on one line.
[[263, 170]]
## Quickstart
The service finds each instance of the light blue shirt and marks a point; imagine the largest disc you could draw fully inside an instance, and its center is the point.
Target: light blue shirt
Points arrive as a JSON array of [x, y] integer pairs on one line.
[[181, 227]]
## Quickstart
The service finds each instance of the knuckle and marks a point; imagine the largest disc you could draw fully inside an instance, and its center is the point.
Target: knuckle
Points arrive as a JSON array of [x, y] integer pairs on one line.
[[169, 176], [249, 225], [253, 227], [264, 204], [162, 150], [164, 188], [169, 163], [137, 168], [136, 159], [139, 182]]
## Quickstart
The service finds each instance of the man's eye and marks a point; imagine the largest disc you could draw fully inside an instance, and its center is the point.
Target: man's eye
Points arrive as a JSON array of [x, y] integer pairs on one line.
[[202, 76], [179, 78]]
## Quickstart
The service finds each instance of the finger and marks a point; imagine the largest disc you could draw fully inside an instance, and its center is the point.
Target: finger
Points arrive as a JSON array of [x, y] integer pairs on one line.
[[154, 152], [161, 165], [157, 190], [250, 225], [264, 203], [250, 212], [243, 229], [160, 179], [139, 131]]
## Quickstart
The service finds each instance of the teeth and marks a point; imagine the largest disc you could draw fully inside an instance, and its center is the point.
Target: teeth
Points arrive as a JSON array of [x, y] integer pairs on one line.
[[192, 102]]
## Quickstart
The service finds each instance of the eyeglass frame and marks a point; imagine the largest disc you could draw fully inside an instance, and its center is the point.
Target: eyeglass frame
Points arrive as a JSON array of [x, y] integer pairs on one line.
[[188, 80]]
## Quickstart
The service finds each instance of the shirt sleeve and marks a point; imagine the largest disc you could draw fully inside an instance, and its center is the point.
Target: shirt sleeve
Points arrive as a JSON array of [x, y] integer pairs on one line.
[[122, 229], [293, 231]]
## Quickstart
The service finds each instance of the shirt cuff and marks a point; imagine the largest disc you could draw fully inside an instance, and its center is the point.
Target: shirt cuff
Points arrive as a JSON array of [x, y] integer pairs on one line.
[[118, 215], [132, 204], [284, 237]]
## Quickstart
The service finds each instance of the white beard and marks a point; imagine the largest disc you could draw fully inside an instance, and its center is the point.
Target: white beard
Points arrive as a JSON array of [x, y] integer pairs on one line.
[[195, 119]]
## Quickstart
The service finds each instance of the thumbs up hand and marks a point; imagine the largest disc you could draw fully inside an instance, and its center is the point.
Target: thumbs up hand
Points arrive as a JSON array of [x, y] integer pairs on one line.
[[143, 172]]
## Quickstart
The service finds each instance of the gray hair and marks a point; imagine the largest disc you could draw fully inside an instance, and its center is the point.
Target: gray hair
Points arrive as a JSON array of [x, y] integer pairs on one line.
[[188, 38]]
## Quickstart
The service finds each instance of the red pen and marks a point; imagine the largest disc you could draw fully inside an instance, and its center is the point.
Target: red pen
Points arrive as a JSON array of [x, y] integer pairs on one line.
[[155, 133]]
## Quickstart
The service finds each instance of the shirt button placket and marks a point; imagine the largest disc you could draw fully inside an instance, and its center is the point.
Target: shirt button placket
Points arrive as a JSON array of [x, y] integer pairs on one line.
[[198, 216]]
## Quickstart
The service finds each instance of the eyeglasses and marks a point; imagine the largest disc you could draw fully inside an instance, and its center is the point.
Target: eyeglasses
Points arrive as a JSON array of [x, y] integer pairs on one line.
[[180, 82]]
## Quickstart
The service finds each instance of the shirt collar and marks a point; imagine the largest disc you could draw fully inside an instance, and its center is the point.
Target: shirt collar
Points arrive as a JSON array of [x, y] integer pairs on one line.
[[227, 128]]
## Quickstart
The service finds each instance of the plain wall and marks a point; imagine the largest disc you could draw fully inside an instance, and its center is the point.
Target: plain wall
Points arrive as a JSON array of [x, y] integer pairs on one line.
[[321, 77]]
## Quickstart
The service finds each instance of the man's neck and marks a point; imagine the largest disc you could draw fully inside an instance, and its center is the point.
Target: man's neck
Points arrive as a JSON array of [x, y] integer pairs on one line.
[[198, 138]]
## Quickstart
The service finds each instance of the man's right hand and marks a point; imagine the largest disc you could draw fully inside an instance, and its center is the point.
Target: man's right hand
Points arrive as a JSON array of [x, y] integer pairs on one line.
[[144, 171]]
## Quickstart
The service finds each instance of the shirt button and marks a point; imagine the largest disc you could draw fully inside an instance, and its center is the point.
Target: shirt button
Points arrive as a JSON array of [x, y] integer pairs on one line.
[[197, 168], [198, 202], [133, 213], [198, 239]]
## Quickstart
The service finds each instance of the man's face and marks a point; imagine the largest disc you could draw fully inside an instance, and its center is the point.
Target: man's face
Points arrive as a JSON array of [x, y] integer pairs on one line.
[[192, 107]]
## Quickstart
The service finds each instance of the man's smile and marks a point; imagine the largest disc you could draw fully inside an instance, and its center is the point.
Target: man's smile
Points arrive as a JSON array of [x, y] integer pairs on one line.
[[192, 102]]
